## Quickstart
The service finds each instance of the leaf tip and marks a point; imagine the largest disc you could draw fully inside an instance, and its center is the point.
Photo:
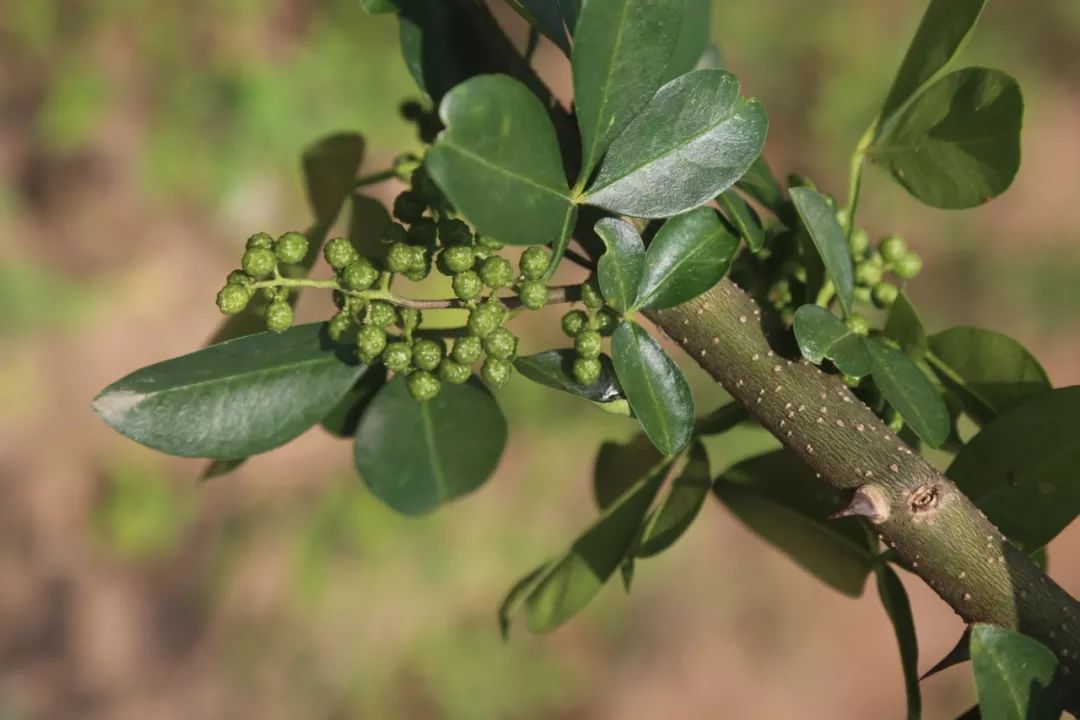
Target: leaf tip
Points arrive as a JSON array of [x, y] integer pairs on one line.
[[113, 406]]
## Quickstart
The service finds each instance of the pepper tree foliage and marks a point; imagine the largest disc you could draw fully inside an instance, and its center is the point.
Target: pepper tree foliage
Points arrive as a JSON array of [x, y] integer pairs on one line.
[[657, 175]]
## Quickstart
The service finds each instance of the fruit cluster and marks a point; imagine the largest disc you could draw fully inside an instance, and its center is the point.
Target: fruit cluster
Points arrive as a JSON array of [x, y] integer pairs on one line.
[[260, 261], [587, 329]]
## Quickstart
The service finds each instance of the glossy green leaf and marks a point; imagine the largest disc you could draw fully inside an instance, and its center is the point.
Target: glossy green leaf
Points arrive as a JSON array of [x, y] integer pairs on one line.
[[988, 371], [743, 217], [574, 579], [620, 268], [956, 145], [441, 46], [819, 217], [546, 17], [761, 185], [1014, 675], [554, 368], [680, 507], [910, 392], [821, 335], [416, 456], [895, 599], [1021, 468], [498, 162], [515, 597], [621, 50], [942, 33], [655, 387], [694, 139], [905, 327], [690, 253], [692, 40], [235, 399], [619, 465], [779, 498], [343, 420], [570, 10]]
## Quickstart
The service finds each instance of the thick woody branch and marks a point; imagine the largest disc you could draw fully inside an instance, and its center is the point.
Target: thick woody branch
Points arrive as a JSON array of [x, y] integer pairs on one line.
[[933, 527]]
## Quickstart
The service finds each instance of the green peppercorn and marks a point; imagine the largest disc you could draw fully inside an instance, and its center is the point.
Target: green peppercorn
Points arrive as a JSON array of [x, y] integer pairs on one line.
[[858, 324], [258, 262], [408, 207], [398, 356], [862, 295], [574, 322], [588, 344], [359, 275], [240, 278], [275, 293], [496, 371], [467, 285], [894, 421], [496, 272], [851, 381], [232, 299], [605, 323], [370, 342], [380, 314], [483, 320], [427, 354], [399, 258], [394, 233], [500, 343], [859, 242], [884, 294], [534, 262], [423, 385], [456, 259], [279, 316], [868, 273], [893, 248], [454, 233], [591, 296], [419, 271], [586, 370], [908, 266], [260, 240], [339, 252], [533, 294], [488, 242], [454, 372], [467, 349], [291, 248], [409, 319], [339, 325], [423, 232], [425, 188]]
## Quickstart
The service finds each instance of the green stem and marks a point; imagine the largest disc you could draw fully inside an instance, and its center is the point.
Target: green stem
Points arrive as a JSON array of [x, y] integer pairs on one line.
[[858, 159], [374, 178]]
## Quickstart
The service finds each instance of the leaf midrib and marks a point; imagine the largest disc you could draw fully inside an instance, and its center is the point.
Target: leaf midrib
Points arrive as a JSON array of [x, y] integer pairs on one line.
[[453, 146], [620, 28], [681, 261]]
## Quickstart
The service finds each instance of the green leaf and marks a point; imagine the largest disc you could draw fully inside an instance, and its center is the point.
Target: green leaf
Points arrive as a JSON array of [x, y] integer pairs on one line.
[[690, 253], [1014, 675], [619, 465], [779, 498], [515, 596], [942, 33], [957, 145], [988, 371], [693, 140], [546, 17], [376, 7], [821, 335], [761, 185], [620, 268], [621, 50], [693, 38], [679, 507], [570, 9], [905, 327], [235, 399], [1021, 468], [895, 599], [498, 162], [820, 220], [343, 420], [574, 579], [910, 392], [743, 217], [416, 456], [655, 387], [554, 368], [441, 46]]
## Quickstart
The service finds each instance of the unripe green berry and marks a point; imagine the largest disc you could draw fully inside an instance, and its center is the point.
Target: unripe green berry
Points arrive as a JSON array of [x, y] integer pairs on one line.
[[339, 252], [240, 278], [868, 273], [586, 370], [588, 344], [275, 293], [260, 240], [425, 188], [534, 262], [423, 385], [467, 350], [408, 207], [908, 266], [574, 322], [395, 233], [359, 275], [500, 343], [419, 272], [496, 272], [851, 381], [418, 257], [454, 372], [423, 232], [533, 294], [496, 371], [339, 325], [380, 314], [884, 294], [457, 259], [858, 324], [279, 316], [258, 262], [859, 242], [893, 248], [605, 322], [591, 296], [291, 248], [399, 258], [426, 354], [370, 342], [484, 320], [488, 242], [398, 356], [454, 233], [894, 421], [232, 299], [467, 285], [862, 295]]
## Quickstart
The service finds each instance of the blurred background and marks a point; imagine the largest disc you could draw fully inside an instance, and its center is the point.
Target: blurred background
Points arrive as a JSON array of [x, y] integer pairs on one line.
[[142, 142]]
